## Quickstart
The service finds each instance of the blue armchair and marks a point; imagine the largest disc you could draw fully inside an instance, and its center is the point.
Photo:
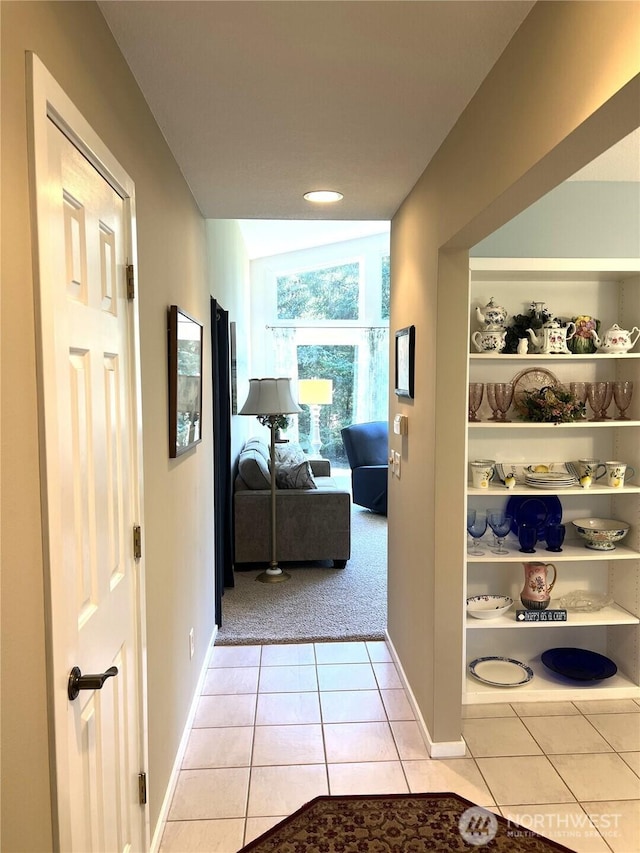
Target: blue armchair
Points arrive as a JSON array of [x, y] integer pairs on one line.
[[366, 446]]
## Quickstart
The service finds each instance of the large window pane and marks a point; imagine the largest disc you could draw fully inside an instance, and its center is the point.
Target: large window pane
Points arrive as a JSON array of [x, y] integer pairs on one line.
[[338, 364], [322, 294]]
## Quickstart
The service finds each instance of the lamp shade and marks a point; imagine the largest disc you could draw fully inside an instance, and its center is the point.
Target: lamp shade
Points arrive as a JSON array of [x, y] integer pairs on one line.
[[269, 397], [315, 392]]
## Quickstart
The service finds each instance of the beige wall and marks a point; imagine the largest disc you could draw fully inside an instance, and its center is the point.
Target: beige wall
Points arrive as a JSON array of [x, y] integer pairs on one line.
[[559, 95], [75, 44]]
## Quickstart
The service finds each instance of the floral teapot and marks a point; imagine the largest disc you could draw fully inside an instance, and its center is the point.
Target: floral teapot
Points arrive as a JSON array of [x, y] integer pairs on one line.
[[492, 315], [552, 337], [616, 339]]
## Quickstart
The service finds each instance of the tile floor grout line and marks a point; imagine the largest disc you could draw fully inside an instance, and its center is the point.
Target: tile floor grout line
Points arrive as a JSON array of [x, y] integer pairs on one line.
[[342, 688]]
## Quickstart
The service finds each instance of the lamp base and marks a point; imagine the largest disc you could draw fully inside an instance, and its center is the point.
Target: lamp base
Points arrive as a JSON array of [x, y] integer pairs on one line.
[[274, 574]]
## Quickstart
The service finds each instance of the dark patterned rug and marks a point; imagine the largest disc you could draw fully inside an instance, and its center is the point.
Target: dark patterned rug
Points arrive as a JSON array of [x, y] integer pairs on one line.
[[397, 823]]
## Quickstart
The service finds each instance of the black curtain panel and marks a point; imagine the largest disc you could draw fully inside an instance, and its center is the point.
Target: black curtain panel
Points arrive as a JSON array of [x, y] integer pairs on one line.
[[222, 475]]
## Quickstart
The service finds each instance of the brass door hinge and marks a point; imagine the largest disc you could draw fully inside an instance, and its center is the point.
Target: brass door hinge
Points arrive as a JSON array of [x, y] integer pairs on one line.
[[142, 788], [131, 282], [137, 542]]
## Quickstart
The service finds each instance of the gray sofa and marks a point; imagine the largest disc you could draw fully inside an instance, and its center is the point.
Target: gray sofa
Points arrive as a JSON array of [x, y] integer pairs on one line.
[[313, 514]]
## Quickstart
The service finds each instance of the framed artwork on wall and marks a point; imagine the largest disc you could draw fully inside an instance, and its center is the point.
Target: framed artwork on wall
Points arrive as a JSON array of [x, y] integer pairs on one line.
[[405, 361], [185, 381]]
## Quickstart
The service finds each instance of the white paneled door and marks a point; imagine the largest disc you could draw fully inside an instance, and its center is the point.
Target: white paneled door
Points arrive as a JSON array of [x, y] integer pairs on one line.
[[91, 490]]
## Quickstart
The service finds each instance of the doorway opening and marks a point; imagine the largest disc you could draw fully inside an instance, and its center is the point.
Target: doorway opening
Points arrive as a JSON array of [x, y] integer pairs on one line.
[[318, 310]]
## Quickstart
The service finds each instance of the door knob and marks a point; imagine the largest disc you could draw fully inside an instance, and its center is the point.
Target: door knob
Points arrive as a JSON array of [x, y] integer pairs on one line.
[[78, 681]]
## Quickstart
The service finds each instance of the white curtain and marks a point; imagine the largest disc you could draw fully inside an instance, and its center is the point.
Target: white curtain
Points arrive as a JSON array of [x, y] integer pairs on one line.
[[285, 360]]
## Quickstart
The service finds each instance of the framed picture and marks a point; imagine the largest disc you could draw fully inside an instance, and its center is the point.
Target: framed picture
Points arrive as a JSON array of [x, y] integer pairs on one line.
[[185, 382], [405, 360]]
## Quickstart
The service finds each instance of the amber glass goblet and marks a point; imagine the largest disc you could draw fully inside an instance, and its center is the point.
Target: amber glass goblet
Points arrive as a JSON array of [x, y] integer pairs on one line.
[[596, 394], [622, 393], [504, 398], [579, 391], [476, 392], [491, 399], [608, 395]]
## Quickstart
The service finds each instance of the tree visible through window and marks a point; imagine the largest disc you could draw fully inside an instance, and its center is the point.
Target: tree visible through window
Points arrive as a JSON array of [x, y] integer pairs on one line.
[[337, 363], [386, 287], [322, 294]]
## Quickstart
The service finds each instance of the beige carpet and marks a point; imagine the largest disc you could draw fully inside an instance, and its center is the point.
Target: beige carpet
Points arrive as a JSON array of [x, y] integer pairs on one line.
[[319, 603], [402, 823]]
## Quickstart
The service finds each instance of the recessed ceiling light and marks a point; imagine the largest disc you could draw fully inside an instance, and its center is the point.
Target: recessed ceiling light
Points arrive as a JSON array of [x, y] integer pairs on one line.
[[323, 196]]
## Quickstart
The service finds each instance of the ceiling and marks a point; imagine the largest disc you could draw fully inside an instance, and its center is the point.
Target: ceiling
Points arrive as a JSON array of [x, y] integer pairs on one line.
[[262, 101]]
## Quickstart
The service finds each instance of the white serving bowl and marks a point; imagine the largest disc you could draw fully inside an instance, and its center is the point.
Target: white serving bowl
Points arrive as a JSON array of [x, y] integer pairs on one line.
[[600, 534], [488, 606]]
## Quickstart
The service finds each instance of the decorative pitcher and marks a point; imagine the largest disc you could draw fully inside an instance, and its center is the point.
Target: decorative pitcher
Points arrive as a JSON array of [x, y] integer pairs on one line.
[[536, 592]]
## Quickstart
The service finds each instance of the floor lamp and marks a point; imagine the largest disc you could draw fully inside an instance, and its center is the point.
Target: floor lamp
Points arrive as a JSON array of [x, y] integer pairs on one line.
[[315, 393], [267, 399]]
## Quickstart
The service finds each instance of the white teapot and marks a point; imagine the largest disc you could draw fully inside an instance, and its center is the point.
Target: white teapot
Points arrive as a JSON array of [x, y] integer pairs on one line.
[[616, 339], [489, 340], [552, 337], [492, 315]]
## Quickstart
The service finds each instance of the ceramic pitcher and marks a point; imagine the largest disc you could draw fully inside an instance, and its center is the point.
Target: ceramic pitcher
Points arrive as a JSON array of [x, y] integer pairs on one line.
[[536, 592]]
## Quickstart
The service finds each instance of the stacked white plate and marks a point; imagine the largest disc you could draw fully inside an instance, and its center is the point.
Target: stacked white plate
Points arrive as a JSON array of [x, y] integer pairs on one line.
[[550, 480]]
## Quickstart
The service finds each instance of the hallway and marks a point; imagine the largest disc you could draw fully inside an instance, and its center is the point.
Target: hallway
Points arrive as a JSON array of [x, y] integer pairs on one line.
[[277, 725]]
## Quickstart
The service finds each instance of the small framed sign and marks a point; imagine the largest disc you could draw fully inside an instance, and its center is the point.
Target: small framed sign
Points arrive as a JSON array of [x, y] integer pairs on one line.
[[405, 361], [185, 381]]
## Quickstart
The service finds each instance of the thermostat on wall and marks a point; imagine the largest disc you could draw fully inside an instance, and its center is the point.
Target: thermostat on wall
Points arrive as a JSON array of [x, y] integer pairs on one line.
[[401, 425]]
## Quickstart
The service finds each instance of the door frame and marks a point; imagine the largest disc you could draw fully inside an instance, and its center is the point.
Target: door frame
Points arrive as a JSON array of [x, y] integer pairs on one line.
[[47, 101]]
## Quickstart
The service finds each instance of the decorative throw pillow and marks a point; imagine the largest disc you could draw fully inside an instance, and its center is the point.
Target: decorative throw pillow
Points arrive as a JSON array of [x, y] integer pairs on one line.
[[289, 454], [296, 476], [259, 446], [253, 470]]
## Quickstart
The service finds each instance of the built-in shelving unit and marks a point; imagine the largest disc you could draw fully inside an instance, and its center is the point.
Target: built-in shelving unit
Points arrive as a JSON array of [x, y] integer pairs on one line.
[[609, 290]]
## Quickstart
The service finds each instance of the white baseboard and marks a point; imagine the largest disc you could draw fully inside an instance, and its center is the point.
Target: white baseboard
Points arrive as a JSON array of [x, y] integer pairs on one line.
[[436, 749], [182, 746]]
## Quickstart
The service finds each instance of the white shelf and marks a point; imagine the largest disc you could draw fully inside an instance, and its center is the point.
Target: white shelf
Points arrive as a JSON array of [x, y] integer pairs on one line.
[[552, 269], [572, 551], [544, 687], [502, 491], [613, 615], [611, 424], [596, 356]]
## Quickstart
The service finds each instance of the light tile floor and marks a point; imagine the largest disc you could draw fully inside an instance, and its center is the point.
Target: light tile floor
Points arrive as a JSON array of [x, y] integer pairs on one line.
[[278, 725]]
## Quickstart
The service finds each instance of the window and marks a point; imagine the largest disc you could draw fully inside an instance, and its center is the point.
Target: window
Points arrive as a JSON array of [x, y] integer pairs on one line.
[[330, 293], [338, 364], [325, 315]]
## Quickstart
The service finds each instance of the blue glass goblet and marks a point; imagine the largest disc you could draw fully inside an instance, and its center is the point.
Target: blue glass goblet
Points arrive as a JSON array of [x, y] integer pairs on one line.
[[555, 536], [476, 529], [501, 525], [527, 537], [471, 518]]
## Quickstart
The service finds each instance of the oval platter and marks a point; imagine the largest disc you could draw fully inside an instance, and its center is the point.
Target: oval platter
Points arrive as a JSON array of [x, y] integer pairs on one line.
[[500, 671], [579, 664]]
